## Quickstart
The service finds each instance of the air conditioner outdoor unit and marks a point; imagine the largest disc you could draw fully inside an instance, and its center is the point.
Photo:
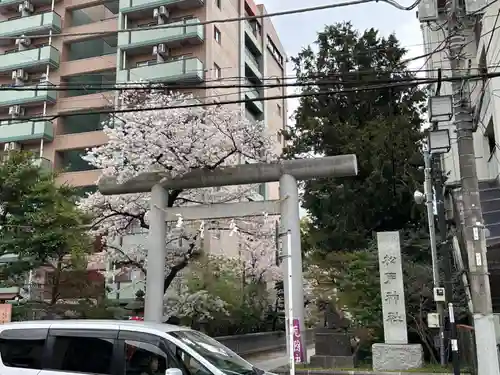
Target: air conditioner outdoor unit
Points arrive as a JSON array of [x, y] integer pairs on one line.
[[23, 41], [163, 11], [20, 74], [162, 49], [11, 146], [160, 12], [26, 5], [16, 110]]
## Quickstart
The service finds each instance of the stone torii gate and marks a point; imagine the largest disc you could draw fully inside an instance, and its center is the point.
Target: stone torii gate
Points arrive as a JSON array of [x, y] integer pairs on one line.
[[287, 172]]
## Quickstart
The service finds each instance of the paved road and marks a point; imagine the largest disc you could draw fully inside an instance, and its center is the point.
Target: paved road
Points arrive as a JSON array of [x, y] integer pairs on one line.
[[280, 360]]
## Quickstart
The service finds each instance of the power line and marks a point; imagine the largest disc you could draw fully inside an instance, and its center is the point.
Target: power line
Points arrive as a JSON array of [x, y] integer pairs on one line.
[[227, 20], [396, 83], [175, 86]]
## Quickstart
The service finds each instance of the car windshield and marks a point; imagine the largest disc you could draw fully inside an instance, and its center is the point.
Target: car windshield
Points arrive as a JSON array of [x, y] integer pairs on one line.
[[216, 353]]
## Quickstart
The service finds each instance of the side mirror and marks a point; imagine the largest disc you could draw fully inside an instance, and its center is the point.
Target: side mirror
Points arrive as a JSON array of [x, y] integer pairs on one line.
[[173, 371]]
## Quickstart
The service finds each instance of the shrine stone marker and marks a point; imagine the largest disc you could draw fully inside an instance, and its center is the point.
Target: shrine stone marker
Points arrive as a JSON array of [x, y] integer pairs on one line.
[[395, 354]]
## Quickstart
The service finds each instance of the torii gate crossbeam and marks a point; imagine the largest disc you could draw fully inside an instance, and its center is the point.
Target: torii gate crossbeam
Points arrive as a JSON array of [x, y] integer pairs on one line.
[[287, 172]]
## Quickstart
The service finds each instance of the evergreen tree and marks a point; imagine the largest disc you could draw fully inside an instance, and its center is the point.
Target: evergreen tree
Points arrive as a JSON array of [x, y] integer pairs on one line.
[[381, 126], [40, 223]]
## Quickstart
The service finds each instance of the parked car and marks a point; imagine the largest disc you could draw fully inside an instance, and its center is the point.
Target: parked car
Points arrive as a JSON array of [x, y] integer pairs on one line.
[[114, 348]]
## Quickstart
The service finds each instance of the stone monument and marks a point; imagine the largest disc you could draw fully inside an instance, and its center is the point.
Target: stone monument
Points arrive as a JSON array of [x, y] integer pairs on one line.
[[333, 342], [395, 354]]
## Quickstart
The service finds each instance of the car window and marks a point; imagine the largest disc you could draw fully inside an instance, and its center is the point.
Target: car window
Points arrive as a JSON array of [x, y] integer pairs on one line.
[[191, 364], [82, 354], [214, 352], [146, 359], [22, 353]]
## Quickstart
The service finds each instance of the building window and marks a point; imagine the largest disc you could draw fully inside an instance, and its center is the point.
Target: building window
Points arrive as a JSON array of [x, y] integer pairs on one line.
[[217, 35], [490, 137], [218, 2], [71, 161], [217, 71], [274, 51]]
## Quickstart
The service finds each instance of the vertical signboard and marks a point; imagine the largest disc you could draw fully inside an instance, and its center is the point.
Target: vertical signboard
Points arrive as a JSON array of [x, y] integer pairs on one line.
[[5, 313], [391, 288]]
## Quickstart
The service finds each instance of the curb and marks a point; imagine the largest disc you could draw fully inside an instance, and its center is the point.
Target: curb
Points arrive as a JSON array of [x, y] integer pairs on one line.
[[357, 372]]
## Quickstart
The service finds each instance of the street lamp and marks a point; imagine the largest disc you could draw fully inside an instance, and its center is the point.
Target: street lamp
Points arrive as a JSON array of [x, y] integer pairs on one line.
[[440, 108], [439, 141]]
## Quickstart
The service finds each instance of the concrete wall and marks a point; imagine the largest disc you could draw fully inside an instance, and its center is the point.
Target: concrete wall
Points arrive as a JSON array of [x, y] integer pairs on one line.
[[254, 344]]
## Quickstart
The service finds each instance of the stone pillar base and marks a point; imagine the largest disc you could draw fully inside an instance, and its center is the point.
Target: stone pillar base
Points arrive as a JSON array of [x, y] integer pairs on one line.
[[330, 361], [397, 357]]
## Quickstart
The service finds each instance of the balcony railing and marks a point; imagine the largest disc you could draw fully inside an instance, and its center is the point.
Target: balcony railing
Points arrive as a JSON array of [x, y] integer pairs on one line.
[[35, 59], [493, 167], [27, 95], [188, 30], [130, 6], [126, 290], [254, 95], [35, 24], [485, 103], [26, 131], [253, 35], [253, 64], [43, 163], [180, 70], [12, 4]]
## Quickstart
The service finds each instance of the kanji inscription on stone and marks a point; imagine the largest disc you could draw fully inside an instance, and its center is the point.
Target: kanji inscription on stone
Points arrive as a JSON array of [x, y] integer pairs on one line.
[[391, 288]]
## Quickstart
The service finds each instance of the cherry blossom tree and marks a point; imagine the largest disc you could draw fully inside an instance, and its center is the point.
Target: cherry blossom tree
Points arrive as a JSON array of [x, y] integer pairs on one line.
[[179, 138], [240, 286]]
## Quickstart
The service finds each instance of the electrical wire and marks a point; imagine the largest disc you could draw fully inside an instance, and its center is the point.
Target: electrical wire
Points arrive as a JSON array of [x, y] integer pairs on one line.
[[229, 20], [97, 85], [483, 91], [239, 101], [175, 86]]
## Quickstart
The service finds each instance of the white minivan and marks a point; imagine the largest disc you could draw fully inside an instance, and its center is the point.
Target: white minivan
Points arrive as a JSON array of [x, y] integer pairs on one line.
[[113, 348]]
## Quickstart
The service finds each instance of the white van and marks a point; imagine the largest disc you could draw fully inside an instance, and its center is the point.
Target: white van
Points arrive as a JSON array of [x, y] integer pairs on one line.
[[113, 348]]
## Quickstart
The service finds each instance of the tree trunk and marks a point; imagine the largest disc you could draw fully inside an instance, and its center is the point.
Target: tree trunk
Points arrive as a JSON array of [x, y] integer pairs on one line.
[[56, 281], [173, 273]]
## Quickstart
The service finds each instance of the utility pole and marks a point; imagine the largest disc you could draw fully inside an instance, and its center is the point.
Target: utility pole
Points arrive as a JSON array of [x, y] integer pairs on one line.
[[475, 241], [444, 245], [435, 260]]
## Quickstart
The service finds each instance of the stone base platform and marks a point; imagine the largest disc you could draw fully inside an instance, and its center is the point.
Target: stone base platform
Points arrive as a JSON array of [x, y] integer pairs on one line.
[[397, 357], [329, 361]]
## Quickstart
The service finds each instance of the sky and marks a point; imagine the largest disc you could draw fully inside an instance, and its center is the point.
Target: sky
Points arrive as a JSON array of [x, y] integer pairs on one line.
[[299, 30]]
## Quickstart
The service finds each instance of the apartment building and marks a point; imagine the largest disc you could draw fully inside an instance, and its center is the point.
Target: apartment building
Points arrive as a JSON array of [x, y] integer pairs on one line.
[[44, 44], [482, 49], [74, 44]]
